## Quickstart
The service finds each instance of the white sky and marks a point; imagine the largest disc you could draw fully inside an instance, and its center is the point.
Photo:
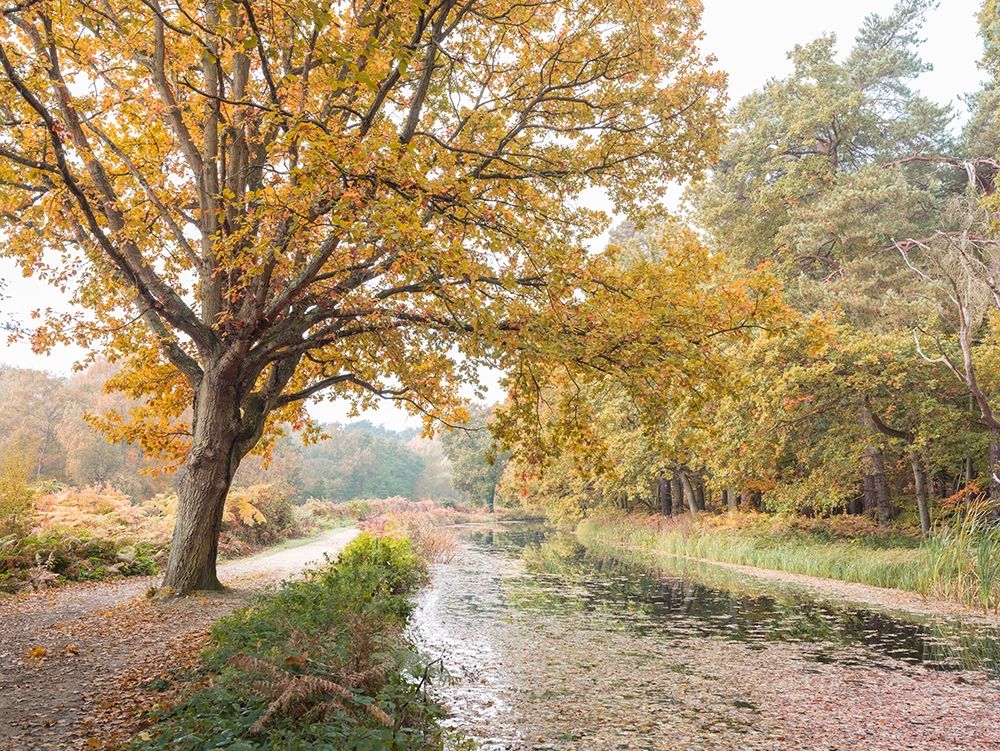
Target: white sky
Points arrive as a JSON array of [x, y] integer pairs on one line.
[[750, 38]]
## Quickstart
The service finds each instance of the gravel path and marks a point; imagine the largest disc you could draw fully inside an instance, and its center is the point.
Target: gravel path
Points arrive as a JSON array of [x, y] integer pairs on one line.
[[75, 662]]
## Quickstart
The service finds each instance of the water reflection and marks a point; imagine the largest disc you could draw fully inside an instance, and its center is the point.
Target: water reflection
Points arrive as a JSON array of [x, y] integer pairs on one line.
[[553, 645], [567, 576]]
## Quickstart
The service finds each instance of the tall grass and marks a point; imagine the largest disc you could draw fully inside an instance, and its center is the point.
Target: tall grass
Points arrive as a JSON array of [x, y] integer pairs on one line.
[[961, 562]]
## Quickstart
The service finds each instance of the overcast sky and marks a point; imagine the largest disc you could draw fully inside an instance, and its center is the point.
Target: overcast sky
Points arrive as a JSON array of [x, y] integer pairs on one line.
[[750, 41]]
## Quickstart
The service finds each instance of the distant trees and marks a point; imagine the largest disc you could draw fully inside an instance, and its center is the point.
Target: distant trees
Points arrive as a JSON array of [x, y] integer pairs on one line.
[[44, 418], [359, 461], [45, 432], [435, 481], [32, 405], [477, 463]]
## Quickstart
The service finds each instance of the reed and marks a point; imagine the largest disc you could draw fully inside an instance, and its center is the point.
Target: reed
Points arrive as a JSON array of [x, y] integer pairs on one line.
[[959, 562]]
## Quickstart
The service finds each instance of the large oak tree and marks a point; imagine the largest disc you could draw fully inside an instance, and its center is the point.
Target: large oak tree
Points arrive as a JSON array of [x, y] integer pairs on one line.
[[255, 202]]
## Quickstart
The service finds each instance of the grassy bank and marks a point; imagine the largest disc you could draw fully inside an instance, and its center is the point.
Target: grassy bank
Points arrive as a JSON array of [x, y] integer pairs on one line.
[[322, 663], [961, 562]]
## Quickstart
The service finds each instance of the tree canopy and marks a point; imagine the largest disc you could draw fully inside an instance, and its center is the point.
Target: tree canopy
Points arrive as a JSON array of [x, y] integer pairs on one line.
[[258, 203], [843, 190]]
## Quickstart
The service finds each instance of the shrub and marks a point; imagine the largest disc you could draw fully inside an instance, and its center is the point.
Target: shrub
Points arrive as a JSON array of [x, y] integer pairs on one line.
[[103, 511], [255, 517], [16, 494], [70, 557], [432, 542], [321, 663]]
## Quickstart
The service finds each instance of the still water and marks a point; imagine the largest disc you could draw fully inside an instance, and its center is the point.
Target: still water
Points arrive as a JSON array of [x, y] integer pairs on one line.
[[550, 645]]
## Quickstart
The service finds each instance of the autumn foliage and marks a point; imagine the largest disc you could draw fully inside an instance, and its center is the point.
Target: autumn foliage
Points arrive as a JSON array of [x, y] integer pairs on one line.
[[98, 532], [257, 204]]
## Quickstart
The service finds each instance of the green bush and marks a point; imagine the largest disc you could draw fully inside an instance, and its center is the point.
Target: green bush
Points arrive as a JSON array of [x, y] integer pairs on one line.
[[320, 664], [17, 496], [72, 556]]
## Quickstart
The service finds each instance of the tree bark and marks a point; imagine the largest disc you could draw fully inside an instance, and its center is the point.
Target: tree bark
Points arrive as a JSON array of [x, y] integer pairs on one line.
[[881, 485], [920, 489], [856, 505], [870, 500], [733, 499], [677, 494], [202, 487], [699, 494], [877, 487], [689, 493], [994, 481], [664, 495]]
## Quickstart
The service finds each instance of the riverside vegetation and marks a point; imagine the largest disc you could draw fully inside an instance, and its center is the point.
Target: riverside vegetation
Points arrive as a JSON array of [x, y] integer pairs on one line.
[[960, 562], [321, 663]]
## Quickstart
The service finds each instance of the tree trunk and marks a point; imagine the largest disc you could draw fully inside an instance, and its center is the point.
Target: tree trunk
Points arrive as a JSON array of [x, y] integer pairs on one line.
[[202, 488], [879, 484], [968, 467], [921, 491], [491, 498], [876, 484], [857, 504], [994, 480], [663, 492], [677, 494], [699, 494], [870, 496], [733, 499], [689, 493], [943, 490]]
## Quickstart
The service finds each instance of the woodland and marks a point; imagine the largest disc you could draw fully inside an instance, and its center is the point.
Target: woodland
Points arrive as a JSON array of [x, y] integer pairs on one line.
[[251, 207]]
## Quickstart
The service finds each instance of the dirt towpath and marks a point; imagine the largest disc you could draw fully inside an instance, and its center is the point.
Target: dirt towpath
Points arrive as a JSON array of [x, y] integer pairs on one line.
[[76, 663]]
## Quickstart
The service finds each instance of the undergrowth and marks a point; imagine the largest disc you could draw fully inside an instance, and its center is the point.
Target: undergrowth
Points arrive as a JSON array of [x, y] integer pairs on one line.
[[37, 560], [322, 663], [86, 534]]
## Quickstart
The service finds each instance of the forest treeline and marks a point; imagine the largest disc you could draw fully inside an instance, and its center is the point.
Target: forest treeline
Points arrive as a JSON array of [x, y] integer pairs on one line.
[[46, 428], [874, 388]]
